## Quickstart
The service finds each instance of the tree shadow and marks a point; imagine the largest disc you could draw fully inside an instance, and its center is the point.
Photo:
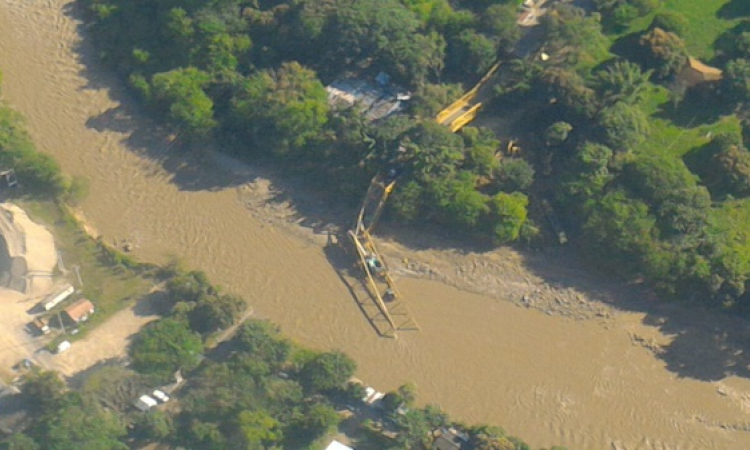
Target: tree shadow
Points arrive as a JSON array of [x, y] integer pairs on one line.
[[14, 416], [734, 10], [699, 105], [78, 379], [725, 46], [706, 345], [703, 343], [151, 304], [698, 160], [628, 47]]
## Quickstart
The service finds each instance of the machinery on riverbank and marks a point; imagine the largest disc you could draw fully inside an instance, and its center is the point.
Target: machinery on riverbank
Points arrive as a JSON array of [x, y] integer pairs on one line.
[[379, 283], [390, 307]]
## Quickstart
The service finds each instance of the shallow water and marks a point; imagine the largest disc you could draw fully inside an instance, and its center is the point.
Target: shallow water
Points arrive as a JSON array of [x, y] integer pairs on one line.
[[547, 379]]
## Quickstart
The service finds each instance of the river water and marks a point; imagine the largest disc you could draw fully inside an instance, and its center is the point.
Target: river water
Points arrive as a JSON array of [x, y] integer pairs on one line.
[[549, 380]]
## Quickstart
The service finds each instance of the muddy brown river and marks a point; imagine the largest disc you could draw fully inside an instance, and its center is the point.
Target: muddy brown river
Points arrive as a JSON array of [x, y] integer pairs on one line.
[[549, 379]]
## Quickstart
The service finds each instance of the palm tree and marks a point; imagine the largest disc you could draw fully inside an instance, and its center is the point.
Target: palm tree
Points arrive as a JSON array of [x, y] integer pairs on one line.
[[623, 81]]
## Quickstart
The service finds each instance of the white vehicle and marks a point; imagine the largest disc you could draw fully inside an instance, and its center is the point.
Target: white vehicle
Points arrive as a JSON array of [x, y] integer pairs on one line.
[[160, 395], [62, 347], [144, 403]]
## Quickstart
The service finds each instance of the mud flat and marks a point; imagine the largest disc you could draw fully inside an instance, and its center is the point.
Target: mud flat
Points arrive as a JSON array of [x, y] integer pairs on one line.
[[539, 364]]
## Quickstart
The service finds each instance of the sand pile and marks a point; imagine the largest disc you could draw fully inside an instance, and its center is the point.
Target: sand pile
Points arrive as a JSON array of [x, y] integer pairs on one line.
[[30, 250]]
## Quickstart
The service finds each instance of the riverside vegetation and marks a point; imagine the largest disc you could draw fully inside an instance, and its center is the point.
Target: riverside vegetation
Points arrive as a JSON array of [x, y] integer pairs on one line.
[[648, 175], [257, 390]]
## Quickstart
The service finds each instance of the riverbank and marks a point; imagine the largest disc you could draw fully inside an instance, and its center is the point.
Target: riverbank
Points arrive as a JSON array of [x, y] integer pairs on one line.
[[646, 379]]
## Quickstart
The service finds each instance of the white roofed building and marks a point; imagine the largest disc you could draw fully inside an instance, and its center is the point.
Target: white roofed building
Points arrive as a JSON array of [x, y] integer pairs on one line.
[[336, 445]]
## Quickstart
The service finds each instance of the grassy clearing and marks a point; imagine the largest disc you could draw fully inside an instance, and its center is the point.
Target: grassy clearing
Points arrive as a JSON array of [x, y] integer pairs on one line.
[[730, 220], [708, 20], [676, 135], [110, 286]]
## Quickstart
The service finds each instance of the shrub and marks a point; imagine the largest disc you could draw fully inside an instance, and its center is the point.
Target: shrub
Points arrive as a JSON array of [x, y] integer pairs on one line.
[[671, 21]]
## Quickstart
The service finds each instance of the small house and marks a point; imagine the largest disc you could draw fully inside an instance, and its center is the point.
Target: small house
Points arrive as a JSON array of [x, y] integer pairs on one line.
[[79, 311], [450, 439], [376, 100], [696, 72]]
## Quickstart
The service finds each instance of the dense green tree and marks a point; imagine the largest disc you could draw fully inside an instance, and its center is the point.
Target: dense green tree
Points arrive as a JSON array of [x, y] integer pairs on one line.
[[385, 32], [433, 151], [470, 53], [83, 427], [215, 312], [43, 391], [518, 78], [430, 99], [742, 44], [206, 436], [556, 134], [327, 371], [621, 224], [481, 151], [407, 201], [414, 430], [622, 81], [573, 38], [263, 341], [415, 60], [664, 52], [515, 174], [620, 13], [736, 80], [499, 22], [165, 346], [671, 21], [188, 287], [154, 426], [430, 11], [623, 126], [316, 420], [729, 171], [257, 430], [39, 172], [589, 175], [21, 441], [569, 89], [507, 215], [455, 201], [283, 109], [181, 93]]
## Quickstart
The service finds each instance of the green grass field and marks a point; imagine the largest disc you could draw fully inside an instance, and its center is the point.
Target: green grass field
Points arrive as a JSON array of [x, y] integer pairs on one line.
[[110, 287], [708, 20]]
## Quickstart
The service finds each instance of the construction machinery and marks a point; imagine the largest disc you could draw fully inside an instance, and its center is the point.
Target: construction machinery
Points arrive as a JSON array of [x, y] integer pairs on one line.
[[459, 113], [378, 280], [390, 308]]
